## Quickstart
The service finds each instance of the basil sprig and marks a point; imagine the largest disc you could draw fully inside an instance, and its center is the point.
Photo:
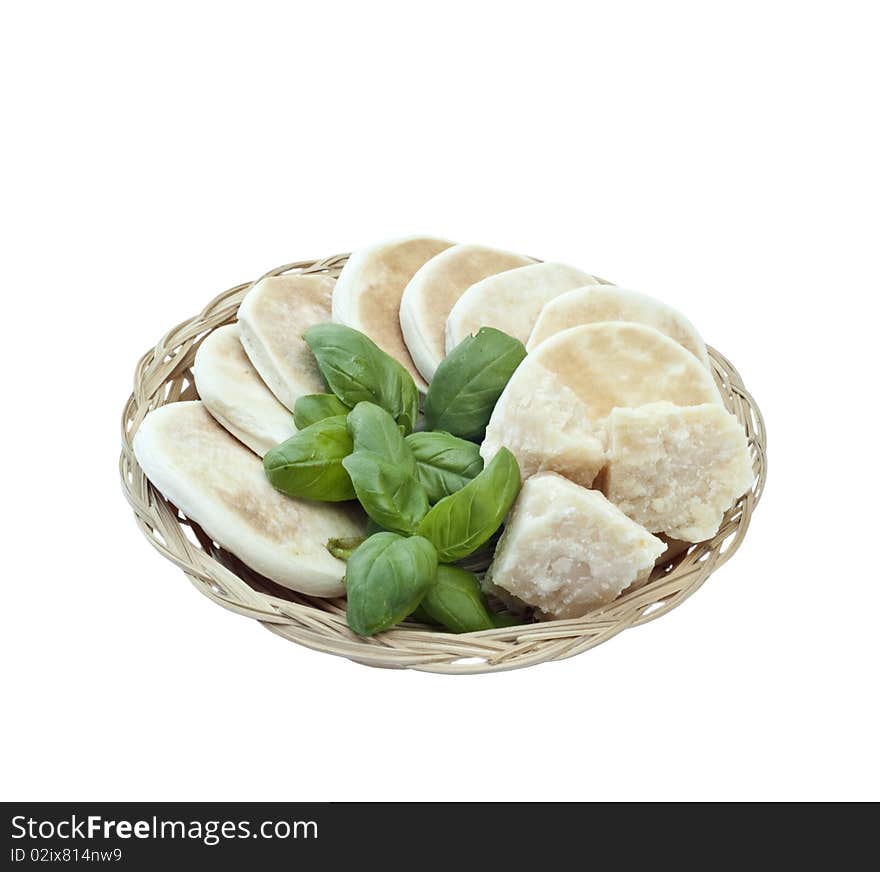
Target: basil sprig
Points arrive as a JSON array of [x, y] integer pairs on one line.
[[385, 580], [309, 464], [312, 408], [469, 382], [462, 522], [357, 370], [444, 463], [429, 500]]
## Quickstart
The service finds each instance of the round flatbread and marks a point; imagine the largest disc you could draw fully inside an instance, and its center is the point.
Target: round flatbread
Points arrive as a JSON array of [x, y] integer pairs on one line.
[[220, 485], [434, 289], [552, 412], [368, 291], [236, 396], [590, 305], [511, 301], [272, 318]]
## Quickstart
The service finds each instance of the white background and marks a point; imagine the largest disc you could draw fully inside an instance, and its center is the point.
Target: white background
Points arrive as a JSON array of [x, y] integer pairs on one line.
[[723, 157]]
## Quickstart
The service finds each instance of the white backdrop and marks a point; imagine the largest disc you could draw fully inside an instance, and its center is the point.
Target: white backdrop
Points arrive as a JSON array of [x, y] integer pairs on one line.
[[720, 156]]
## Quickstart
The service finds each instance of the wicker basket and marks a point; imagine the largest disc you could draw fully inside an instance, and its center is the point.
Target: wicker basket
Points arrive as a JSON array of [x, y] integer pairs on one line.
[[164, 375]]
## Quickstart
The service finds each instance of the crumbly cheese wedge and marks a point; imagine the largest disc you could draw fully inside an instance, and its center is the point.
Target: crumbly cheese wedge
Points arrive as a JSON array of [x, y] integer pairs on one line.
[[546, 426], [552, 412], [677, 470], [236, 396], [512, 300], [566, 550], [272, 319], [433, 290], [220, 485], [608, 303], [368, 291]]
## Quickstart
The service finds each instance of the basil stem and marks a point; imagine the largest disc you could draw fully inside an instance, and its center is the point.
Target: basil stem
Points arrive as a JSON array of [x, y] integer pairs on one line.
[[344, 548]]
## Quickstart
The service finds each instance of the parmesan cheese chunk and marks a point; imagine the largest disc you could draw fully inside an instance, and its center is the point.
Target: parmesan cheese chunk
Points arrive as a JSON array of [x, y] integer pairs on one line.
[[608, 303], [236, 396], [511, 301], [551, 415], [434, 289], [546, 426], [566, 550], [677, 470], [272, 318]]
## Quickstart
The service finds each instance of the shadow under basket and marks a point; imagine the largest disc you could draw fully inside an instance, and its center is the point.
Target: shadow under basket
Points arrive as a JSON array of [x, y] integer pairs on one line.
[[164, 375]]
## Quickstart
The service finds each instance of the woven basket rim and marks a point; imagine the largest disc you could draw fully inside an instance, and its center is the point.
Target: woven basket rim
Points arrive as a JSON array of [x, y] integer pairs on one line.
[[163, 375]]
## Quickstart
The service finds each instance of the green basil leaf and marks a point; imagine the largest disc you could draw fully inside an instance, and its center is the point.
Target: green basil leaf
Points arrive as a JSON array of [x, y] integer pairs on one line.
[[444, 463], [357, 371], [461, 523], [481, 559], [373, 527], [309, 464], [456, 601], [392, 497], [469, 381], [385, 579], [316, 407], [422, 616], [373, 429], [502, 619]]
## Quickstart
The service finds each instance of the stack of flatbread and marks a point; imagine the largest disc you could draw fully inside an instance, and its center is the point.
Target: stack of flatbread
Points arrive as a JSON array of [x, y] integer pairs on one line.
[[616, 396], [205, 456]]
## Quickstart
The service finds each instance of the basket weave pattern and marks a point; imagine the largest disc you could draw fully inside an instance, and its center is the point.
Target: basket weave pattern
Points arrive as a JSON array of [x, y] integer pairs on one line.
[[163, 375]]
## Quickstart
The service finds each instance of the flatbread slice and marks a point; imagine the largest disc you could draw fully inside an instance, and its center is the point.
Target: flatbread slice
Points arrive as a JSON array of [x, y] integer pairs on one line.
[[236, 396], [272, 319], [511, 301], [220, 485], [369, 288], [434, 289], [590, 305], [552, 413]]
